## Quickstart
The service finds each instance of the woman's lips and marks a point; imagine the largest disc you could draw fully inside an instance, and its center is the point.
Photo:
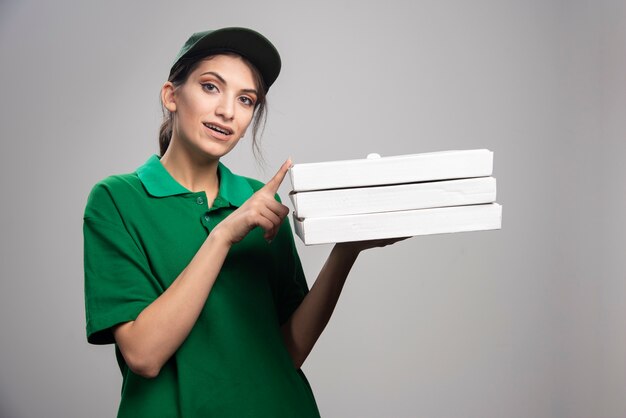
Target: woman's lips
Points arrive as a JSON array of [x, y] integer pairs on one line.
[[218, 131]]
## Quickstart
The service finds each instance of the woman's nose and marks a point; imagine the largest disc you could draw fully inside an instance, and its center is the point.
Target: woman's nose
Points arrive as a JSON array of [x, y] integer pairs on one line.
[[226, 108]]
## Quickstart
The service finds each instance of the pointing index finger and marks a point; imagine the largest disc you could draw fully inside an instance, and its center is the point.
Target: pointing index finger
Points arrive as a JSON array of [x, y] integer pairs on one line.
[[278, 178]]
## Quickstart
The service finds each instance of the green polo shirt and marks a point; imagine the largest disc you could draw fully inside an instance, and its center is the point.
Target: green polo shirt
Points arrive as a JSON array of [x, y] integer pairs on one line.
[[140, 231]]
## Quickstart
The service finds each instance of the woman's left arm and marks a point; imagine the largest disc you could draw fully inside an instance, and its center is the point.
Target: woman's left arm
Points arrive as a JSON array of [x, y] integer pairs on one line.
[[306, 324]]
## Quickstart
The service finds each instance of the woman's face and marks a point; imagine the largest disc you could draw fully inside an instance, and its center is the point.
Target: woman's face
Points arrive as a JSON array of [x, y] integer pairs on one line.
[[214, 107]]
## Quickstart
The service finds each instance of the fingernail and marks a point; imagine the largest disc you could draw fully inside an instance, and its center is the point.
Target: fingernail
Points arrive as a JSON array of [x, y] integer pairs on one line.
[[269, 241]]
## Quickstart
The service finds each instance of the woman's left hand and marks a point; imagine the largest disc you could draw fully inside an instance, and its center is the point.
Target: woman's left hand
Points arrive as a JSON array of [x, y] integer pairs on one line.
[[358, 246]]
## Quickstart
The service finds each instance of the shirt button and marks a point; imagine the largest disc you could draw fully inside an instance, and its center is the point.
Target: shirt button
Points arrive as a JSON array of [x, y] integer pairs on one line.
[[200, 200], [207, 217]]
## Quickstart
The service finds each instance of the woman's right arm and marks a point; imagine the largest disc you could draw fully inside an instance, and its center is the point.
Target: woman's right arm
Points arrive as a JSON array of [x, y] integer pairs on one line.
[[154, 336], [150, 340]]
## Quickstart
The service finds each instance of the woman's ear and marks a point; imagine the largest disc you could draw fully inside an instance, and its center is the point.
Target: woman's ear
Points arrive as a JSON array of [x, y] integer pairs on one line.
[[167, 96]]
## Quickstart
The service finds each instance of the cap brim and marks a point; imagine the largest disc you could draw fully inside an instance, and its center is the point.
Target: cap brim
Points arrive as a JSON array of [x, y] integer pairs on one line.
[[246, 42]]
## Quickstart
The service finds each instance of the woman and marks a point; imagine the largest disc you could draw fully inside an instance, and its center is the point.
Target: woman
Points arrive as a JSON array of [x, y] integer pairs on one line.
[[191, 270]]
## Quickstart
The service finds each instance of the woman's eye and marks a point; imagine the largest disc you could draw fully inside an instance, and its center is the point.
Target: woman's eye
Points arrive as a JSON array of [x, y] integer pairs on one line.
[[247, 101], [209, 86]]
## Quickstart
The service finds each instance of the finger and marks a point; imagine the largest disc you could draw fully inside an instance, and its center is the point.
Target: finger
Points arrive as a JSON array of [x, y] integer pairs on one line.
[[277, 221], [384, 242], [274, 183], [271, 216], [266, 225], [278, 208], [271, 234], [268, 220], [262, 202]]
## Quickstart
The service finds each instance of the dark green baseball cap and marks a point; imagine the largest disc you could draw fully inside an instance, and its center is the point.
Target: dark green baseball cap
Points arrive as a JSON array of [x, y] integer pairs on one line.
[[248, 43]]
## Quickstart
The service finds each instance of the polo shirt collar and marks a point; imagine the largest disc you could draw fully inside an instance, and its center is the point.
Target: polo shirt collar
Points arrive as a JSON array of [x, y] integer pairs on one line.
[[234, 189], [159, 182]]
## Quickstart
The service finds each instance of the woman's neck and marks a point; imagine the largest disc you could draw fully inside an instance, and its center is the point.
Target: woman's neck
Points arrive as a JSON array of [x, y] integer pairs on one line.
[[192, 173]]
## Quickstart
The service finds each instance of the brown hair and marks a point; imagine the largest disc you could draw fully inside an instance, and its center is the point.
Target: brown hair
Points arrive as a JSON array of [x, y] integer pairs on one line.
[[179, 75]]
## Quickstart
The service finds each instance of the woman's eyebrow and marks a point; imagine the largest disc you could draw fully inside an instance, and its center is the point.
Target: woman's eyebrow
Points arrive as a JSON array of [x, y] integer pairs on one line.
[[250, 91], [213, 73], [221, 79]]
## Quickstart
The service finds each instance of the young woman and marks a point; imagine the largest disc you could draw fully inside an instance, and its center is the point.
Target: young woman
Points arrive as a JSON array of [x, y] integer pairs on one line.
[[191, 270]]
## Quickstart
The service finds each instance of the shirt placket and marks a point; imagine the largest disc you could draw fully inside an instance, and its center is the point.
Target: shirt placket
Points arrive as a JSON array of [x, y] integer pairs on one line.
[[210, 217]]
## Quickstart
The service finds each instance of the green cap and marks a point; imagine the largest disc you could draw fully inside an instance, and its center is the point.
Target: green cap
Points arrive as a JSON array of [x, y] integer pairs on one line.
[[250, 44]]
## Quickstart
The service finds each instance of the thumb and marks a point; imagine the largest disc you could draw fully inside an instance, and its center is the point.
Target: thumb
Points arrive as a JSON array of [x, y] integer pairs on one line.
[[275, 182]]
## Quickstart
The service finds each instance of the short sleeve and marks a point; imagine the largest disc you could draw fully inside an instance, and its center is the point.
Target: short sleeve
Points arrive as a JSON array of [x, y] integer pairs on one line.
[[291, 285], [118, 280]]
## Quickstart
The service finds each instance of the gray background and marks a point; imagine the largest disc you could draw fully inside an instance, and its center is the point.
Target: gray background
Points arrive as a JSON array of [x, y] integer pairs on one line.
[[529, 321]]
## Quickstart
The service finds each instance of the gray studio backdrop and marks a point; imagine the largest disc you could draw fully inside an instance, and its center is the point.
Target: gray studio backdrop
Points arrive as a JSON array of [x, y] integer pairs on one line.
[[526, 322]]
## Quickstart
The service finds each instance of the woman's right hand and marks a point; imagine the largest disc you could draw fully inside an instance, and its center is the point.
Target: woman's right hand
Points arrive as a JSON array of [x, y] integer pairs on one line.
[[262, 210]]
